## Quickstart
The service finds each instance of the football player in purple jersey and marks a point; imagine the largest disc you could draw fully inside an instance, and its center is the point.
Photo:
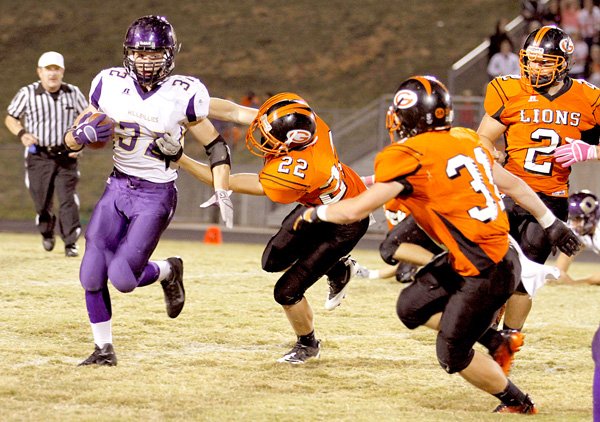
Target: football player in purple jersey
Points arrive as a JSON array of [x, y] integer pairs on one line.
[[136, 107]]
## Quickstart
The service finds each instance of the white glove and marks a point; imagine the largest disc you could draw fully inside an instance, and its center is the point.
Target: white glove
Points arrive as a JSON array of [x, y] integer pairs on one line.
[[222, 200], [168, 145]]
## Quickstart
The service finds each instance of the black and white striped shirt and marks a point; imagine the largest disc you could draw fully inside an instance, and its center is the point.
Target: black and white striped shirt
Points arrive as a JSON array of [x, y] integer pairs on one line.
[[46, 115]]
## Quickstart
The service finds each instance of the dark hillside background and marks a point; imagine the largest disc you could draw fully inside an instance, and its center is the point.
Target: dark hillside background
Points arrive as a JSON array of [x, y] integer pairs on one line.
[[336, 53]]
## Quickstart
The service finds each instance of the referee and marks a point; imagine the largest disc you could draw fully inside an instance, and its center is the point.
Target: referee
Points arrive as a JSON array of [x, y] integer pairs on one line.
[[39, 115]]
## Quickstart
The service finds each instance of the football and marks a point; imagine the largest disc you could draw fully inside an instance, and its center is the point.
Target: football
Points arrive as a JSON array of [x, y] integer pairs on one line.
[[106, 121]]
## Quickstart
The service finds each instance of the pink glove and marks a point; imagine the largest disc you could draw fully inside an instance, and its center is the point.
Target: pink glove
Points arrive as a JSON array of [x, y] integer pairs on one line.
[[574, 152]]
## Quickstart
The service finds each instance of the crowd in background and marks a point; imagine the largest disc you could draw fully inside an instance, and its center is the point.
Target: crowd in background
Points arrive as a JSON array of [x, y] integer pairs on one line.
[[579, 18]]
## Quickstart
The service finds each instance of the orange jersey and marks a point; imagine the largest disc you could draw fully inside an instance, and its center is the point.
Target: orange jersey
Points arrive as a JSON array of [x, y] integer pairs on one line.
[[452, 196], [311, 176], [538, 124]]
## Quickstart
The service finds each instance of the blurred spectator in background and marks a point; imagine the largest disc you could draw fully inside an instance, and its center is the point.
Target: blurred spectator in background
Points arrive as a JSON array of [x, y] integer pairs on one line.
[[580, 56], [552, 14], [250, 100], [594, 65], [569, 16], [505, 62], [533, 10], [589, 22], [497, 37]]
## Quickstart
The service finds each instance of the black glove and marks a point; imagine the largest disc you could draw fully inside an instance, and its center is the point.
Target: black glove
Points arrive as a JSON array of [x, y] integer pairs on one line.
[[304, 220], [561, 236]]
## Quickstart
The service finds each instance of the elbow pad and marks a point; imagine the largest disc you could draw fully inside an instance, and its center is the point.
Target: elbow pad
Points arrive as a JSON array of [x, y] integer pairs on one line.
[[218, 152]]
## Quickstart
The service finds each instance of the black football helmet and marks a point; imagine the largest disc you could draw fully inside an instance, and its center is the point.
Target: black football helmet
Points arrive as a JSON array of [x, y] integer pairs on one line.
[[584, 212], [154, 34], [285, 122], [421, 104], [546, 56]]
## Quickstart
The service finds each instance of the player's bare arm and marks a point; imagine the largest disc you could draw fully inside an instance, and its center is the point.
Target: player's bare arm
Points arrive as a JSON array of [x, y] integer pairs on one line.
[[359, 207], [231, 112], [489, 131], [246, 183]]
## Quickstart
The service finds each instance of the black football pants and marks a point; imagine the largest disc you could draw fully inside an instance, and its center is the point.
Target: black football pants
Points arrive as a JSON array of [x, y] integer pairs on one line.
[[46, 173]]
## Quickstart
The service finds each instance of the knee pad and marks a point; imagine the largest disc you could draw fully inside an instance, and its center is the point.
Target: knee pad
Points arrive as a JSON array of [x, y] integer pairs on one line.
[[387, 248], [534, 243], [452, 356], [121, 277], [291, 286], [285, 297]]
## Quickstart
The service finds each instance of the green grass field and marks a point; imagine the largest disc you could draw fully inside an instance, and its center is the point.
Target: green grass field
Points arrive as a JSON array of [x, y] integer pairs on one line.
[[216, 362]]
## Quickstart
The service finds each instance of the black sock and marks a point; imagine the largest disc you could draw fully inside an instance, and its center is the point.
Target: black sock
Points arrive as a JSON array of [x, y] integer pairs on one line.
[[308, 340], [491, 339], [511, 396]]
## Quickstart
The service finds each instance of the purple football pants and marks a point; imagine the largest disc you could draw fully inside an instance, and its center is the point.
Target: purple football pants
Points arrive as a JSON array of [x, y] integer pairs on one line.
[[596, 388], [124, 230]]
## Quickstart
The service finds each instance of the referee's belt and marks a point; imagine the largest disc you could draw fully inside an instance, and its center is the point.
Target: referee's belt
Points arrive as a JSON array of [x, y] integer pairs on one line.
[[52, 151]]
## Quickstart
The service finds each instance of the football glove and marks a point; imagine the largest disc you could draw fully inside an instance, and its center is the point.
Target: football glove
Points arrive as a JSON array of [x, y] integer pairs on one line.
[[88, 132], [304, 220], [562, 237], [169, 148], [222, 200], [575, 151]]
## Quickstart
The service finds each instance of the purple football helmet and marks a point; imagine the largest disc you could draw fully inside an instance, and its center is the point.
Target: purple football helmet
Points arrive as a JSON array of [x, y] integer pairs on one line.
[[584, 212], [150, 34]]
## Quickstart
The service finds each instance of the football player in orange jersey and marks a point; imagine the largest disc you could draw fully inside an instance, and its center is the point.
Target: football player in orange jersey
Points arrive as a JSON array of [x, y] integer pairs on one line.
[[300, 165], [443, 175], [539, 113]]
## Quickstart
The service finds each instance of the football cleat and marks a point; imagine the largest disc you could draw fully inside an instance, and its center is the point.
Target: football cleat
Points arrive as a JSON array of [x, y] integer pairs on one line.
[[338, 279], [301, 353], [504, 354], [173, 287], [48, 243], [71, 250], [103, 356], [525, 408]]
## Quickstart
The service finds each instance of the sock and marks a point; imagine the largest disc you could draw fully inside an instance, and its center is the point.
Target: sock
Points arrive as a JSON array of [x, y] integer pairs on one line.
[[102, 332], [308, 340], [373, 274], [511, 396], [164, 269], [491, 339]]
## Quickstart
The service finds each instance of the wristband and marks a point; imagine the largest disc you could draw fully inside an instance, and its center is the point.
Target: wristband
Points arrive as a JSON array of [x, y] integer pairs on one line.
[[547, 219], [21, 133], [322, 212]]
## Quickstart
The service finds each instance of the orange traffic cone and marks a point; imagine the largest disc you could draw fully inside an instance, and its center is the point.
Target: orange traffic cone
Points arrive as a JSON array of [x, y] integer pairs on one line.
[[213, 235]]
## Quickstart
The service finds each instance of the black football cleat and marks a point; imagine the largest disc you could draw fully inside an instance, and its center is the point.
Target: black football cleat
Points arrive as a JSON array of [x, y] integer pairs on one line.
[[173, 288], [525, 408], [71, 251], [301, 353], [48, 243], [338, 278], [103, 356]]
